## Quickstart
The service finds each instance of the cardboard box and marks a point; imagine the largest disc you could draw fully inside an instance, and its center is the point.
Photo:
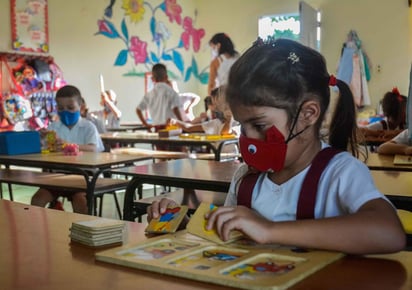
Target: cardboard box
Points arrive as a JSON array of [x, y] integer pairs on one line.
[[12, 143]]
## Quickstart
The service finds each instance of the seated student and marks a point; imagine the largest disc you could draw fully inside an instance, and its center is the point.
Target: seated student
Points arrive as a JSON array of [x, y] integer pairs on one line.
[[84, 112], [110, 114], [220, 125], [209, 113], [279, 92], [70, 128], [397, 145], [394, 122]]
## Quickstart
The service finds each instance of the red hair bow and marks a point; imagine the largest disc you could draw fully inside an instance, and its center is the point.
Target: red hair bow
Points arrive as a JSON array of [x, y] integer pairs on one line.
[[332, 80], [398, 95], [395, 91]]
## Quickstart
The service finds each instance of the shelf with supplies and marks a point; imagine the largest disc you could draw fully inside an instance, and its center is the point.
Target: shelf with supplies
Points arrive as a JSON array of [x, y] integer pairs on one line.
[[28, 84]]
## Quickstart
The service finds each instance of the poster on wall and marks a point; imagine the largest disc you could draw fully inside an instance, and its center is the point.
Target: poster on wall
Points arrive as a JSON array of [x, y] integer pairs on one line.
[[29, 25]]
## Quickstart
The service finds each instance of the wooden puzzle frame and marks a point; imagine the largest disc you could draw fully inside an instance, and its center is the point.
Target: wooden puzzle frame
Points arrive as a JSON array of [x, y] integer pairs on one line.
[[240, 264]]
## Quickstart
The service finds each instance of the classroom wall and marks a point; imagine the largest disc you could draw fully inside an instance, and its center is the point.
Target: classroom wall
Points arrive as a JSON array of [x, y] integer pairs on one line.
[[383, 26]]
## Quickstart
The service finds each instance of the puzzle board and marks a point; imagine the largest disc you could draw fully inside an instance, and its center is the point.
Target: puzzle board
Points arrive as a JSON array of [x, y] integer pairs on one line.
[[240, 264], [402, 160]]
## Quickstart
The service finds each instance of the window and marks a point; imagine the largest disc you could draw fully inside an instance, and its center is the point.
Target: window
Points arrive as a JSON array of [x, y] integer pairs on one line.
[[279, 26], [303, 27]]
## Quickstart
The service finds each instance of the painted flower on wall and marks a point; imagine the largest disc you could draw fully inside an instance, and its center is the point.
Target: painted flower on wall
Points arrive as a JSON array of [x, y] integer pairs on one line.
[[138, 49], [134, 9], [173, 11], [190, 32], [145, 53]]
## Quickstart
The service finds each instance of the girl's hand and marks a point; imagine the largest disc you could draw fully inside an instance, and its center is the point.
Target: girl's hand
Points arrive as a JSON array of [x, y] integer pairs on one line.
[[157, 208], [226, 219], [408, 150]]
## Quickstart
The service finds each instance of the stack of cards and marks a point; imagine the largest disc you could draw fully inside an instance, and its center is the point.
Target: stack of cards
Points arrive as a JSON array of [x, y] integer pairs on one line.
[[98, 232]]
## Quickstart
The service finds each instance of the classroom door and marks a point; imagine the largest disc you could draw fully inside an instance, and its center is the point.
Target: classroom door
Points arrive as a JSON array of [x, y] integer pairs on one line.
[[308, 25]]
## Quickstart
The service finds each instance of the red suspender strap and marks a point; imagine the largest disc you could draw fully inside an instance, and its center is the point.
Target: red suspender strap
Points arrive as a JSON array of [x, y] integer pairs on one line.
[[307, 197], [244, 193]]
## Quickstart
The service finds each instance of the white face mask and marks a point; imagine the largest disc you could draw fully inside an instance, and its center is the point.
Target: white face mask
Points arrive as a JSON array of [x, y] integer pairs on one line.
[[215, 52]]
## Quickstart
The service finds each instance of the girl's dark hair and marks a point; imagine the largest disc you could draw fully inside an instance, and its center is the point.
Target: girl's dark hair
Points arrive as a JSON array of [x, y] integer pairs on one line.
[[226, 45], [208, 102], [283, 73], [394, 107], [69, 91]]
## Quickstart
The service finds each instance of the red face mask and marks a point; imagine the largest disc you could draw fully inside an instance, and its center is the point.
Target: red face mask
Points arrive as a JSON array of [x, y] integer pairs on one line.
[[264, 155]]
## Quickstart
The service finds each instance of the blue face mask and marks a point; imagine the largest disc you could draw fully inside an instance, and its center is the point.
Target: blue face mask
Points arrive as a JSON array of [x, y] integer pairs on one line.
[[69, 118]]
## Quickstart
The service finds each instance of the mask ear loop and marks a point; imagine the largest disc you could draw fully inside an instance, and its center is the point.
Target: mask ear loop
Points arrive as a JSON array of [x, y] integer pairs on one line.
[[295, 120]]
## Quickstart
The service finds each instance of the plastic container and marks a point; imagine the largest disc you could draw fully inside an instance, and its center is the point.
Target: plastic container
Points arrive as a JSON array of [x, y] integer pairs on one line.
[[25, 142]]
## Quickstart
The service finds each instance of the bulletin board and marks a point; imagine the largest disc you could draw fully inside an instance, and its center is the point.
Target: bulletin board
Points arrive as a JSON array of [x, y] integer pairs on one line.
[[29, 25]]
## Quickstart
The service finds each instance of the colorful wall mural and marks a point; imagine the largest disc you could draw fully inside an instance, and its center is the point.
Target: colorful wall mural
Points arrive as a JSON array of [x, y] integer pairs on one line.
[[140, 52]]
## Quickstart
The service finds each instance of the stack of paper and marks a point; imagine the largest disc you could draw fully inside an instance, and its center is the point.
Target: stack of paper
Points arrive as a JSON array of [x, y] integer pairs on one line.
[[98, 232]]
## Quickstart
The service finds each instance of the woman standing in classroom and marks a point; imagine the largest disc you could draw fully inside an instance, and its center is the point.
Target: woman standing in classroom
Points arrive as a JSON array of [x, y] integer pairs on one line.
[[224, 55]]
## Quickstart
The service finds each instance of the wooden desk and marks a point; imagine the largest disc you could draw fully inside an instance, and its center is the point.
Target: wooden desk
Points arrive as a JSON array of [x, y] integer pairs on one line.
[[384, 162], [215, 145], [125, 128], [36, 254], [396, 185], [88, 164], [183, 173]]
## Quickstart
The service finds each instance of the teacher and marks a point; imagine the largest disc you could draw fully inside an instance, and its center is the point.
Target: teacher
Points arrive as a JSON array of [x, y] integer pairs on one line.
[[224, 55]]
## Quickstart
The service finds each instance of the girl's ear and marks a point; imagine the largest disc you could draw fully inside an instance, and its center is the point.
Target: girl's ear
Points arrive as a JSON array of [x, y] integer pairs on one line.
[[310, 112]]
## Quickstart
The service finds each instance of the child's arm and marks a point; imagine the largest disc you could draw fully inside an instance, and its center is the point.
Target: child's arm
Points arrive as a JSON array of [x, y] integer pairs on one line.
[[227, 124], [214, 65], [88, 147], [200, 118], [111, 105], [176, 111], [392, 148], [142, 118], [374, 228], [187, 127]]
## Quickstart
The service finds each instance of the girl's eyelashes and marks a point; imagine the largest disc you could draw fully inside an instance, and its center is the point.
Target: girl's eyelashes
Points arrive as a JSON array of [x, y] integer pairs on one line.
[[259, 127]]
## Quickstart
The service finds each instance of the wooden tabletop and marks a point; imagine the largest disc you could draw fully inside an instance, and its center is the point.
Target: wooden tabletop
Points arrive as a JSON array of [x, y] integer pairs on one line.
[[391, 182], [181, 173], [36, 253], [88, 160], [377, 161], [88, 164], [176, 172], [213, 142]]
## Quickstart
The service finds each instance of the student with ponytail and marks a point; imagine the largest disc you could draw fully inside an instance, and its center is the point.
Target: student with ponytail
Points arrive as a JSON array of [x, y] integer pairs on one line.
[[294, 188]]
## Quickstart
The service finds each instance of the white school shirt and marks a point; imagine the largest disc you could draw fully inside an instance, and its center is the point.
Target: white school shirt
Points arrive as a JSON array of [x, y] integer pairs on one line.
[[402, 137], [223, 70], [345, 185], [214, 127], [82, 133], [160, 102], [109, 121]]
